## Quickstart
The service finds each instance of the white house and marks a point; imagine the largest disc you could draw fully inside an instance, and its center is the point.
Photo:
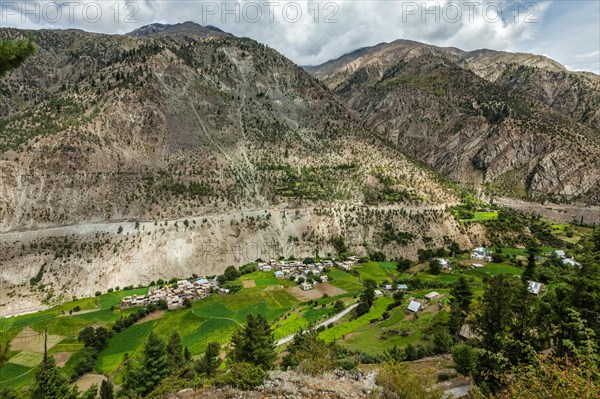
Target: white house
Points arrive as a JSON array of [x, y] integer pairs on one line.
[[278, 274], [266, 268], [560, 253], [570, 262], [414, 306], [306, 286], [534, 287], [402, 287], [432, 295]]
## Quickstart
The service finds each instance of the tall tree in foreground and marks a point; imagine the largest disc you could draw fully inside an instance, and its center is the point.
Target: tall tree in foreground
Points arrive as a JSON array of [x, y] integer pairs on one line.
[[253, 343], [496, 316], [13, 53], [463, 293], [49, 382], [106, 390], [209, 363], [175, 351], [152, 369]]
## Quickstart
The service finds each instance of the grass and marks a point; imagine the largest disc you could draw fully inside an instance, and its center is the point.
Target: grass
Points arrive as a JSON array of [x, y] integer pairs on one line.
[[493, 269], [479, 216], [344, 280], [15, 375], [27, 359], [127, 341], [341, 330]]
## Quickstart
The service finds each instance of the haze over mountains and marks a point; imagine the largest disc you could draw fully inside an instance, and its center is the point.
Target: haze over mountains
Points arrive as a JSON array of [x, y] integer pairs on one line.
[[163, 144]]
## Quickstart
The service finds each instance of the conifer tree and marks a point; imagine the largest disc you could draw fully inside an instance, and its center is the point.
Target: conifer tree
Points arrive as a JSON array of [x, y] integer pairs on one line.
[[253, 343], [175, 351]]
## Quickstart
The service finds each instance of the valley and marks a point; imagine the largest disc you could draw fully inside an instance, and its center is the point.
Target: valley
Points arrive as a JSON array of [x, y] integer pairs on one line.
[[188, 214]]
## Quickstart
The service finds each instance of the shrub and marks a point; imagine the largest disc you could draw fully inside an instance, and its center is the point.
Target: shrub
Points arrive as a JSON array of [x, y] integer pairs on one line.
[[243, 376]]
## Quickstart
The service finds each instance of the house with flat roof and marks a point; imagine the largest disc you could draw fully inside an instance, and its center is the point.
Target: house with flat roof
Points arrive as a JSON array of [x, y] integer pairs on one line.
[[534, 287], [414, 306], [432, 295]]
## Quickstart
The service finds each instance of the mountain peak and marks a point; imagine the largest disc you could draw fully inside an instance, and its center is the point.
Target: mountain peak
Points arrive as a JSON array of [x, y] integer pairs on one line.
[[184, 28]]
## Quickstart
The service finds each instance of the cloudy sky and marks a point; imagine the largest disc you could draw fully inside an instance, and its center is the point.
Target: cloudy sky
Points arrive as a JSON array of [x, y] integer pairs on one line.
[[311, 32]]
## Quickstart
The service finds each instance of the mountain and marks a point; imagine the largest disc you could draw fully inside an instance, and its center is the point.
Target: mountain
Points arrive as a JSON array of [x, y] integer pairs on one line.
[[510, 123], [179, 149], [185, 28]]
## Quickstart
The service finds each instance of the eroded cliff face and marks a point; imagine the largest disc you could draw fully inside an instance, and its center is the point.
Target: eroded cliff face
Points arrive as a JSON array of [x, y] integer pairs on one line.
[[515, 124], [80, 260]]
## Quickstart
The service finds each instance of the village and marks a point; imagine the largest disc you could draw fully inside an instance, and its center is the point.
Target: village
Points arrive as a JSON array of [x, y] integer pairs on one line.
[[306, 274], [176, 296]]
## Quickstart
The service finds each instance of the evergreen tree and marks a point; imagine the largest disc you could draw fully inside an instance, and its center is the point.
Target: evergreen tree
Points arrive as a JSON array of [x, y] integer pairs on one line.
[[106, 390], [463, 293], [209, 363], [496, 316], [435, 267], [186, 354], [153, 368], [49, 382], [465, 359], [254, 343], [457, 317], [442, 341], [529, 273], [175, 351]]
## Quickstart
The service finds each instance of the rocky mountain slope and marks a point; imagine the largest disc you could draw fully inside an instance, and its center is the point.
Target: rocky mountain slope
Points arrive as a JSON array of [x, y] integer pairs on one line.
[[515, 124], [126, 158]]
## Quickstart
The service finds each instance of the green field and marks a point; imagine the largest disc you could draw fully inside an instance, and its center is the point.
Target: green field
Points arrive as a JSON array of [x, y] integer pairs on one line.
[[492, 269], [266, 279], [479, 216]]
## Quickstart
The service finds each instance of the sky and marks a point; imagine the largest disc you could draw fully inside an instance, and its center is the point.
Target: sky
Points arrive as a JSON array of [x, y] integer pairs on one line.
[[310, 32]]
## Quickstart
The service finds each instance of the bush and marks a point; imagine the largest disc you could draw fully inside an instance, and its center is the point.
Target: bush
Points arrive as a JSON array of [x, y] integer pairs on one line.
[[377, 256], [243, 376], [396, 381]]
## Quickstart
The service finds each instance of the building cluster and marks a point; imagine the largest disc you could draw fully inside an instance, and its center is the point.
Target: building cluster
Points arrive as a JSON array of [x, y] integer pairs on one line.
[[304, 273], [566, 261], [175, 295]]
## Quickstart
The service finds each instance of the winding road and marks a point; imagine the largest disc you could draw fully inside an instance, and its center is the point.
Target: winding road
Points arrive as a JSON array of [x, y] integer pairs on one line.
[[327, 322]]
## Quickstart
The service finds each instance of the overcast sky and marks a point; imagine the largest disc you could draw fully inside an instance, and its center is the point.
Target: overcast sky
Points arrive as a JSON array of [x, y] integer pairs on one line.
[[312, 32]]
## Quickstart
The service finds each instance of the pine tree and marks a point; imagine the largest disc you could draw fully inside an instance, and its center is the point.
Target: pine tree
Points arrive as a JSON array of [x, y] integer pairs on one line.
[[529, 273], [497, 312], [106, 390], [153, 368], [463, 293], [175, 351], [49, 382], [457, 317], [254, 343], [209, 363]]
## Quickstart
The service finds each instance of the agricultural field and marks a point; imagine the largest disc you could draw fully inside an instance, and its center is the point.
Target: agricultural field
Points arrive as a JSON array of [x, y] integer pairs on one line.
[[216, 317], [479, 216]]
